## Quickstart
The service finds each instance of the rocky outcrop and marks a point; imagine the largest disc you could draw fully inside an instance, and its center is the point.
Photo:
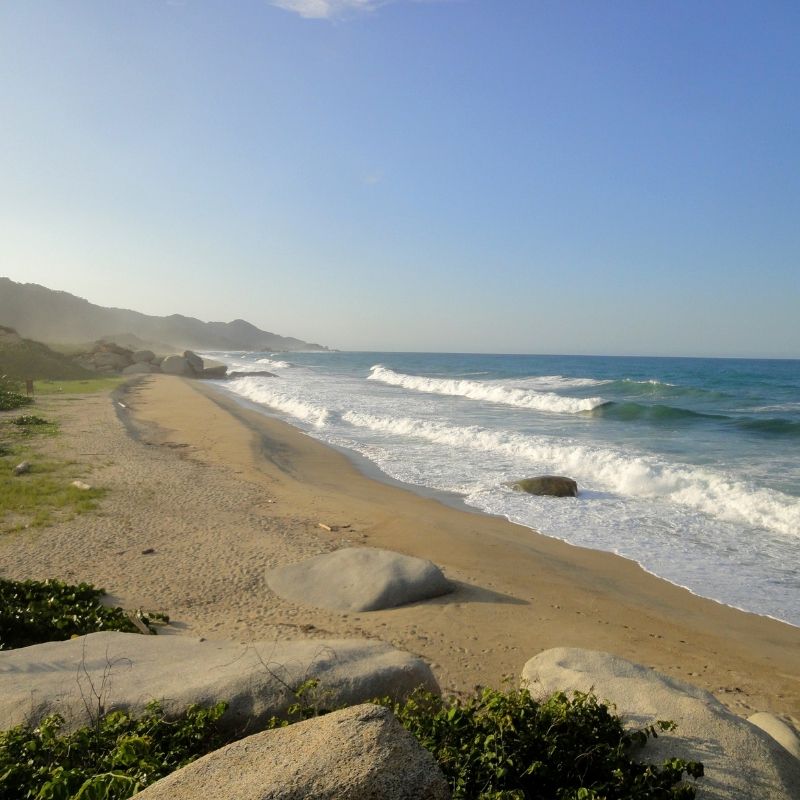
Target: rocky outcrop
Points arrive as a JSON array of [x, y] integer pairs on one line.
[[177, 365], [359, 579], [109, 358], [126, 670], [359, 753], [741, 761], [548, 485]]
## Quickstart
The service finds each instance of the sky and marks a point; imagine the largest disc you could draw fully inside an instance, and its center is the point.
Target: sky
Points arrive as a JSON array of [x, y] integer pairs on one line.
[[455, 175]]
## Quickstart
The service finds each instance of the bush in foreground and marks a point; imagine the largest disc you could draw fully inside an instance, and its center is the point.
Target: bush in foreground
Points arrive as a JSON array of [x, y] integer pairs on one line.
[[10, 395], [32, 612], [494, 746], [507, 746], [111, 760]]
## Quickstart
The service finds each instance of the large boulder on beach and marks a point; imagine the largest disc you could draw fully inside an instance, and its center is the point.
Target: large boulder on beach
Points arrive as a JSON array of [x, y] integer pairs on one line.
[[126, 670], [359, 753], [779, 730], [359, 579], [145, 356], [194, 361], [214, 369], [548, 485], [177, 365], [741, 761]]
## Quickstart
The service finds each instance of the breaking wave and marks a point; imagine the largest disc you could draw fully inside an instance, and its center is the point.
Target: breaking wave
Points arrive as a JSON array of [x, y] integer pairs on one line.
[[264, 391], [487, 392], [610, 470]]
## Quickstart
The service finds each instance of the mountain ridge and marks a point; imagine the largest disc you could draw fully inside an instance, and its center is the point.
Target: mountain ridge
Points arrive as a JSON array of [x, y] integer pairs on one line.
[[57, 316]]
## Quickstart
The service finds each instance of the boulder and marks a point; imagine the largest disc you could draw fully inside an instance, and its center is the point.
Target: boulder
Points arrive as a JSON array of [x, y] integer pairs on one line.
[[213, 369], [550, 485], [359, 579], [176, 365], [145, 356], [778, 730], [195, 362], [359, 753], [127, 670], [22, 468], [741, 762], [140, 368]]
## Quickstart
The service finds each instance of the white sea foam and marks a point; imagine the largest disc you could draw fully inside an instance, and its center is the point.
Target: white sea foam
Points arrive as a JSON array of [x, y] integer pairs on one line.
[[489, 392], [606, 469], [265, 391], [273, 364]]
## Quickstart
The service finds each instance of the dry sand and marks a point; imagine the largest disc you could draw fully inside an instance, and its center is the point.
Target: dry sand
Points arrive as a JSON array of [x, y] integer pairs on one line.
[[222, 493]]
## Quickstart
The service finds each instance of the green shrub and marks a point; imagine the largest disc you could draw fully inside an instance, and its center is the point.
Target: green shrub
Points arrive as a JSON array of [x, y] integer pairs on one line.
[[111, 760], [30, 419], [507, 746], [10, 395], [32, 612], [494, 746]]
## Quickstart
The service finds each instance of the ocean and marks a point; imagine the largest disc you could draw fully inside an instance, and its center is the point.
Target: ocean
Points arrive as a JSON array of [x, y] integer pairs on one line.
[[691, 467]]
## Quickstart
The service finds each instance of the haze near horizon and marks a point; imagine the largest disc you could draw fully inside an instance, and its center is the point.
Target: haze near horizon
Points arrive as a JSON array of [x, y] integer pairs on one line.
[[436, 176]]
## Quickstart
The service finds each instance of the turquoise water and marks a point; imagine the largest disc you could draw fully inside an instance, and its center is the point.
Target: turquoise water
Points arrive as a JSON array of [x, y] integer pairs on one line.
[[689, 466]]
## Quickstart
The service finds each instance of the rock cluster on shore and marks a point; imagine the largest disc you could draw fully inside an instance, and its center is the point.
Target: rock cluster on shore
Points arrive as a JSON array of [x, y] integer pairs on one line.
[[111, 359]]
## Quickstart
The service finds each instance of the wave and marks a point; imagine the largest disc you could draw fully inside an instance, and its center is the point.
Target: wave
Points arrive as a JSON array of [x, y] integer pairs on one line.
[[770, 427], [630, 412], [262, 390], [269, 362], [489, 392], [605, 469]]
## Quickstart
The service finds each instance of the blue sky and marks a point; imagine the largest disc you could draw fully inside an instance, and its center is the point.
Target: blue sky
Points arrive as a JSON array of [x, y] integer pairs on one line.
[[462, 175]]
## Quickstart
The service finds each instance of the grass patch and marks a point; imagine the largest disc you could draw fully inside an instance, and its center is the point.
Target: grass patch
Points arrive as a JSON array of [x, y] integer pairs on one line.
[[43, 495], [83, 386]]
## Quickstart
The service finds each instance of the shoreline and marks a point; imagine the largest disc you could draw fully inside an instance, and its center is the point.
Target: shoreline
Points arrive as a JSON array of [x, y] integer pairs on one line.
[[223, 493], [372, 471]]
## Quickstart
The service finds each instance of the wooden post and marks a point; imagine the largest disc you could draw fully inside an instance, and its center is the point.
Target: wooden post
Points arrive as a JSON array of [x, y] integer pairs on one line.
[[29, 387]]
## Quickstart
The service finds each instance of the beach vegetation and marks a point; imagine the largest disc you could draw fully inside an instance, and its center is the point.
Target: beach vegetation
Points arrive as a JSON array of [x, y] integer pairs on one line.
[[506, 745], [495, 745], [45, 493], [110, 760], [11, 396], [32, 612]]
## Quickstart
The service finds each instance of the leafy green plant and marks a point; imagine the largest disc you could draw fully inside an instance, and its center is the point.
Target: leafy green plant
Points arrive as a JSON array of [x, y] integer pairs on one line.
[[111, 760], [32, 612], [10, 394], [30, 419], [507, 746]]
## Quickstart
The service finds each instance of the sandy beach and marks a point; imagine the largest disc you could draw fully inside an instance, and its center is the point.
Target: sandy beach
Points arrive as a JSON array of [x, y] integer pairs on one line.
[[222, 493]]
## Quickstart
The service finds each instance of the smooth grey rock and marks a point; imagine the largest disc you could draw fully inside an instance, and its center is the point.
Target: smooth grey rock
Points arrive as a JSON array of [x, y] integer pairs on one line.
[[127, 670], [359, 753], [778, 730], [548, 485], [140, 368], [741, 762], [145, 356], [176, 365], [22, 468], [359, 579], [195, 362]]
